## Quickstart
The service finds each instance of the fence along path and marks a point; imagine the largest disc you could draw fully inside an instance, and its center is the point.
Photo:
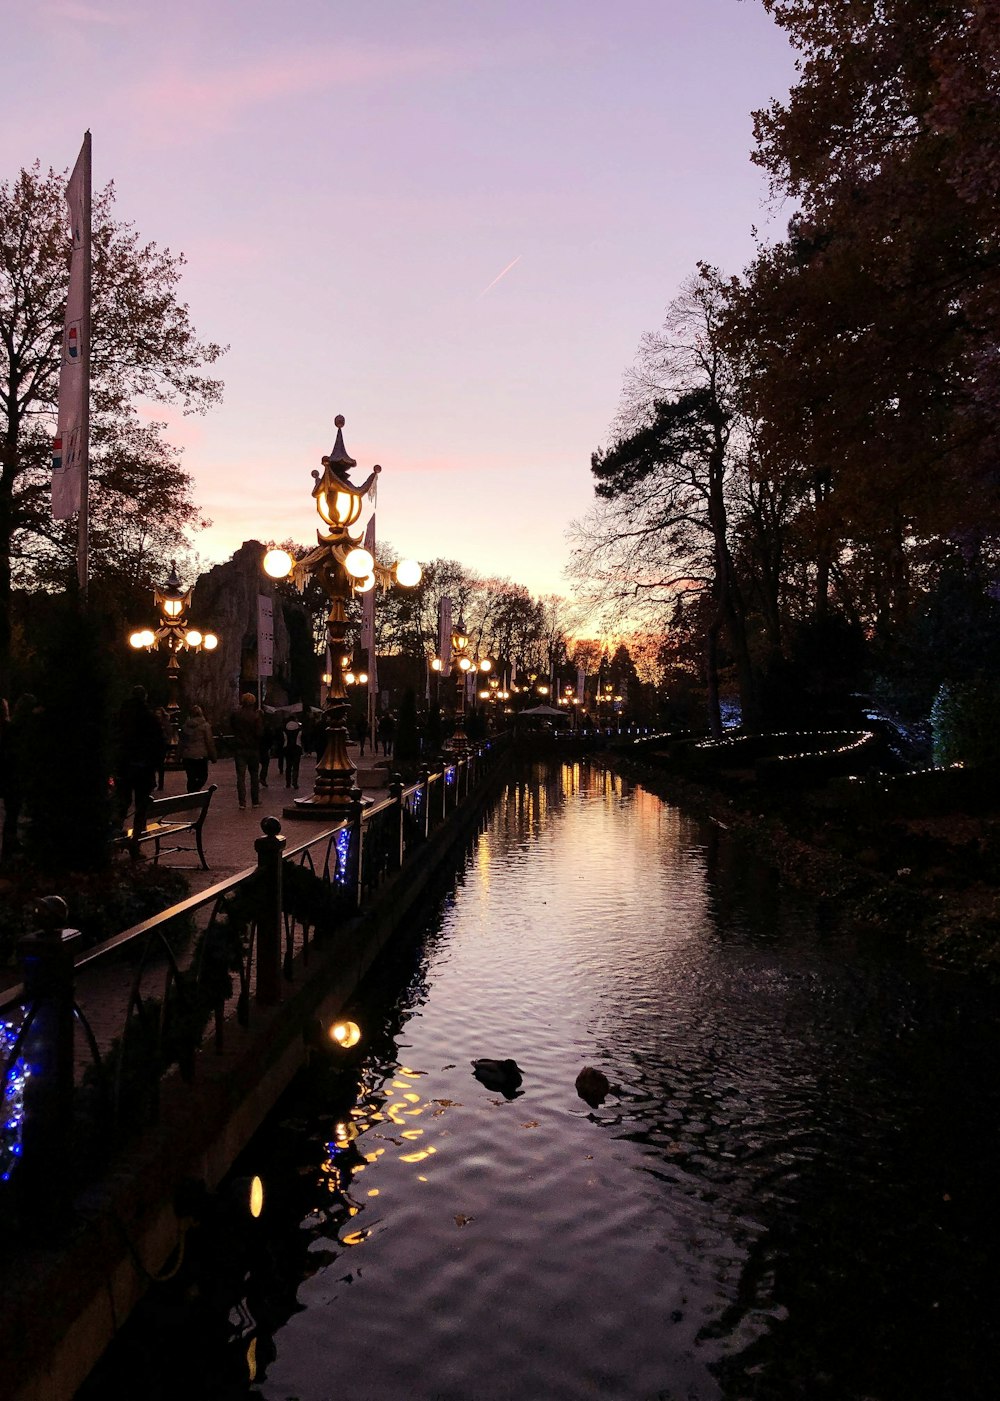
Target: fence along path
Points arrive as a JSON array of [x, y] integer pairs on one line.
[[147, 1001]]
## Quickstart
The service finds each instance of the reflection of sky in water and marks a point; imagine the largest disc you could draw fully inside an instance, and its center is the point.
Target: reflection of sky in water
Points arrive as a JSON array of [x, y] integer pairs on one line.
[[755, 1207]]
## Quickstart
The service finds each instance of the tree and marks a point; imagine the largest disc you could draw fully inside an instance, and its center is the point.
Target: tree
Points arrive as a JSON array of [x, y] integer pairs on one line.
[[670, 479], [142, 345], [874, 322]]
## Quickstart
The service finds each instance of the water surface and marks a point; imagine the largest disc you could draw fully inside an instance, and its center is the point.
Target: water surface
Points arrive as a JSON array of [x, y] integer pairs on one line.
[[789, 1192]]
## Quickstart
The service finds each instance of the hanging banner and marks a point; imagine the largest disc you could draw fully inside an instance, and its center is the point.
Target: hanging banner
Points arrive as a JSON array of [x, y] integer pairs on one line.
[[581, 686], [69, 448], [368, 636], [265, 636], [444, 635]]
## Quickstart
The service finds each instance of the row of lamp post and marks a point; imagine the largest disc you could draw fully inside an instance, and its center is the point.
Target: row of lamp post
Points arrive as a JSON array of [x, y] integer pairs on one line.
[[343, 568]]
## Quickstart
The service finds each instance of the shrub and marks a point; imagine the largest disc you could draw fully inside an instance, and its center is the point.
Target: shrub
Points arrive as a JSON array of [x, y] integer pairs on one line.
[[964, 722]]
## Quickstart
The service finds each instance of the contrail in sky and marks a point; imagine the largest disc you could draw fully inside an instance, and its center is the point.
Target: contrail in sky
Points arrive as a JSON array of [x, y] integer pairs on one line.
[[498, 276]]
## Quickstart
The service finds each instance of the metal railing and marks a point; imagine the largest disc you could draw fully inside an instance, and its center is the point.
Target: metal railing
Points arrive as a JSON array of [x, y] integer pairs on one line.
[[150, 998]]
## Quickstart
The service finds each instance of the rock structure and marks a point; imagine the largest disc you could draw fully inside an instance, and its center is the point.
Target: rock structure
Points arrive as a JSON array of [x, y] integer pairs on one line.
[[225, 600]]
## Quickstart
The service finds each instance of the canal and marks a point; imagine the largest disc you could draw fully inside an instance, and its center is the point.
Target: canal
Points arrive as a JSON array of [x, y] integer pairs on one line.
[[789, 1189]]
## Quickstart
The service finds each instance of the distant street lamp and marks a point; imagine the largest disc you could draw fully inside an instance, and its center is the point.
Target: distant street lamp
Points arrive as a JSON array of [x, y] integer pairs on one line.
[[175, 636], [461, 666], [342, 568]]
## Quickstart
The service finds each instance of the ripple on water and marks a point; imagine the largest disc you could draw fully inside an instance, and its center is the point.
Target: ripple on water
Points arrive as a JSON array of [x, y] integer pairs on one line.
[[780, 1197]]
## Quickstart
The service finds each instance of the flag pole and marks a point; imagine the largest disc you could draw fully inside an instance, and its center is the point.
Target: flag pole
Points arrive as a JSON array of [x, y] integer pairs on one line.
[[83, 524]]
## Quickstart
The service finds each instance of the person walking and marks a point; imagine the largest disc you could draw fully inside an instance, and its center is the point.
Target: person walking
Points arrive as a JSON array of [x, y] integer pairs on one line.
[[197, 749], [247, 725], [142, 747], [361, 734], [166, 724], [293, 752], [266, 746], [16, 746], [387, 732]]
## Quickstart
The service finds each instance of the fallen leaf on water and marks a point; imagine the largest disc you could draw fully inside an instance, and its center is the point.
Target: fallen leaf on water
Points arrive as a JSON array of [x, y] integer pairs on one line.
[[531, 1124], [461, 1220]]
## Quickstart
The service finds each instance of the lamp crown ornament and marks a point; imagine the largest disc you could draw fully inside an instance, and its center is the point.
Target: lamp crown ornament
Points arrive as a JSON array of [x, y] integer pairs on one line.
[[338, 500]]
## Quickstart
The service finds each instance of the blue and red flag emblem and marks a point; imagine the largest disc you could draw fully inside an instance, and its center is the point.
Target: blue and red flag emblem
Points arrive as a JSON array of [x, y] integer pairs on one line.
[[73, 341], [56, 453]]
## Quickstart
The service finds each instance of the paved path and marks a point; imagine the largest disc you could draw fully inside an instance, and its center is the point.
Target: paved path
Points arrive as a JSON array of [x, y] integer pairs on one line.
[[230, 832]]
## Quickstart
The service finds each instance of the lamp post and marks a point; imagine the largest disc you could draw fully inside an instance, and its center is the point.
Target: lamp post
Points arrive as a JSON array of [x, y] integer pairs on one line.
[[174, 635], [461, 666], [342, 569]]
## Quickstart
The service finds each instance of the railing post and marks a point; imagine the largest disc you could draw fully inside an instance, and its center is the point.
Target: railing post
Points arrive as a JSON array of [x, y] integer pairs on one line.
[[425, 800], [47, 1051], [354, 817], [396, 791], [270, 853]]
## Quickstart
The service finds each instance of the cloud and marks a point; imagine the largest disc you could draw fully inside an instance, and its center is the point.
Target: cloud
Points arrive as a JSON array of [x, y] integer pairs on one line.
[[183, 99]]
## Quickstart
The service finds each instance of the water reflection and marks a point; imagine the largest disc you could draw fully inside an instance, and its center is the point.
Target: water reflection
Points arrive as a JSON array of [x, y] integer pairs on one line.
[[789, 1190]]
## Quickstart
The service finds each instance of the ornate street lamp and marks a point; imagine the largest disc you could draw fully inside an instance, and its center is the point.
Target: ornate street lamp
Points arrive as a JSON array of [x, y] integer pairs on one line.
[[174, 635], [342, 568], [461, 665]]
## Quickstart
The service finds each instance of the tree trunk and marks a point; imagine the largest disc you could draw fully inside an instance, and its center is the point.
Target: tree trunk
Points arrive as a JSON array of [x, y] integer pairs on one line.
[[712, 679], [6, 531]]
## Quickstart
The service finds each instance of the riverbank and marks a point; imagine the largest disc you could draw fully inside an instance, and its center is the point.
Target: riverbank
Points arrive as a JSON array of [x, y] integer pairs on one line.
[[932, 880]]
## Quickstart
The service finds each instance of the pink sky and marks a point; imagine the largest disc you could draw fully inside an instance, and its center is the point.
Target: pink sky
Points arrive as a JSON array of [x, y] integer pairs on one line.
[[449, 221]]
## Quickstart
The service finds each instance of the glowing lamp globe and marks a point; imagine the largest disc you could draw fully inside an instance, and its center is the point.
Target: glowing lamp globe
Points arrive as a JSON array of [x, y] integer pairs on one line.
[[278, 564], [408, 573], [193, 637], [436, 664], [345, 1034], [337, 506], [464, 663], [137, 640], [485, 664], [362, 678], [364, 585], [248, 1194], [210, 642], [172, 607], [359, 563]]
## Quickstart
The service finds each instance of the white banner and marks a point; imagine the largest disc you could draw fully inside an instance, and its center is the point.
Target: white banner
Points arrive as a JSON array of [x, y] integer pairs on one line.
[[368, 635], [265, 636], [444, 635], [581, 686], [69, 447]]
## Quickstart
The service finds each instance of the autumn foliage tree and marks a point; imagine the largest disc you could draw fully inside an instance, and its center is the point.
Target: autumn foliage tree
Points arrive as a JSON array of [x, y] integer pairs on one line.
[[143, 347], [875, 372]]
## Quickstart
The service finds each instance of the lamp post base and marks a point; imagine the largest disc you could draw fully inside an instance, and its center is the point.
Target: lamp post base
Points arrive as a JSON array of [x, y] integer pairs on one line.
[[309, 810]]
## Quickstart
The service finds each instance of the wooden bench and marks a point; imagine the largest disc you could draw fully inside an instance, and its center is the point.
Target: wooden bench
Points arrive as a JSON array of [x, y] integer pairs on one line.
[[168, 817]]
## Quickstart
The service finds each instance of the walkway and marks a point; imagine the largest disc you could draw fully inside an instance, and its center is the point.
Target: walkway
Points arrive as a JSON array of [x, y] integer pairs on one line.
[[229, 832]]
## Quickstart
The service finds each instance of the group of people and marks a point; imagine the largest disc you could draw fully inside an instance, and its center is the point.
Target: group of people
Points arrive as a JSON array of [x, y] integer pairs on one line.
[[256, 741], [144, 738], [385, 733]]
